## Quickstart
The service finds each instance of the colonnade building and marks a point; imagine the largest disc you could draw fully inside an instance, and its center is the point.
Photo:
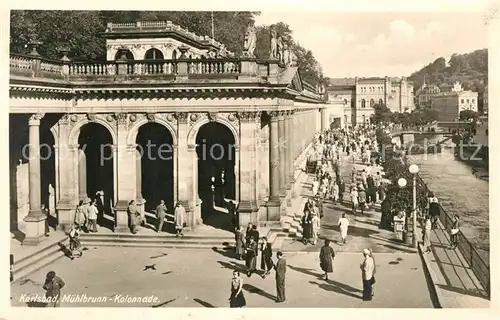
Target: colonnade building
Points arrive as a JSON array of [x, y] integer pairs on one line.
[[169, 116]]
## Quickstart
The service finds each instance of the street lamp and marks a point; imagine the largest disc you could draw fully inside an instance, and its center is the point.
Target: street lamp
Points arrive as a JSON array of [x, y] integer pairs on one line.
[[414, 169]]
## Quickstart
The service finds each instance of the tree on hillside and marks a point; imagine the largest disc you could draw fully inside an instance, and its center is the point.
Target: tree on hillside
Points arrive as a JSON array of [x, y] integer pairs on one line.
[[470, 68]]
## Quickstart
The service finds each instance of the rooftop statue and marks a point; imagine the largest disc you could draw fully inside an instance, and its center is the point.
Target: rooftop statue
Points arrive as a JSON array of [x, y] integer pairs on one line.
[[250, 40], [279, 47], [274, 46]]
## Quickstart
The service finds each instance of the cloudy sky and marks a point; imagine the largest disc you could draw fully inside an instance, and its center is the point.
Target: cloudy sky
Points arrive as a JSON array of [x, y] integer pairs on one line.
[[381, 43]]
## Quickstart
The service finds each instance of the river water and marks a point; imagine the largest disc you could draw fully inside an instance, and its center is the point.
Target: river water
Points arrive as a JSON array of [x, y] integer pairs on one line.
[[461, 191]]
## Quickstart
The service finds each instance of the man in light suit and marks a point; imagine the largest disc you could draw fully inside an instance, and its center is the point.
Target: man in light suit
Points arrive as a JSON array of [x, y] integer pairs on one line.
[[280, 268]]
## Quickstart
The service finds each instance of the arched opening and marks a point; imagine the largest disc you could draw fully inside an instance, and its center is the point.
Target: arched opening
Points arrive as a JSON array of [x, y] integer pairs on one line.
[[153, 54], [372, 103], [18, 172], [48, 168], [155, 168], [215, 148], [128, 54], [363, 103], [174, 55], [95, 168]]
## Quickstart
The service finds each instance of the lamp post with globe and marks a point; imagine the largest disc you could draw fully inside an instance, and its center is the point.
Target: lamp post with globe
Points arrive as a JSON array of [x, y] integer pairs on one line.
[[414, 169]]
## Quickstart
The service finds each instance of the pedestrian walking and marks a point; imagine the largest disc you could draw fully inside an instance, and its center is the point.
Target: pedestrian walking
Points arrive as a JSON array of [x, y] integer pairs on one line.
[[133, 216], [427, 234], [341, 190], [240, 243], [179, 217], [374, 271], [315, 228], [354, 199], [92, 212], [74, 242], [237, 299], [47, 215], [266, 262], [362, 199], [80, 215], [306, 223], [161, 212], [326, 256], [434, 209], [280, 268], [251, 256], [52, 286], [367, 267], [344, 225], [335, 192], [455, 229]]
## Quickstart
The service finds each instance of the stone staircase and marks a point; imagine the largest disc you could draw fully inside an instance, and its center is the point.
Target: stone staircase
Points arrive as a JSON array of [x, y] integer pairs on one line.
[[39, 258]]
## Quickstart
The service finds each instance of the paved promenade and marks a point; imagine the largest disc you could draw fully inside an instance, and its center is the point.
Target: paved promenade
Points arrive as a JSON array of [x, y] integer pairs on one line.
[[201, 278]]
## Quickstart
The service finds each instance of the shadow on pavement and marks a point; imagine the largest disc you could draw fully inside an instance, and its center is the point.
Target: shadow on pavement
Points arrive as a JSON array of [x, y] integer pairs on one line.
[[204, 303], [253, 289], [353, 231], [227, 252], [233, 266], [338, 288], [306, 271], [398, 248]]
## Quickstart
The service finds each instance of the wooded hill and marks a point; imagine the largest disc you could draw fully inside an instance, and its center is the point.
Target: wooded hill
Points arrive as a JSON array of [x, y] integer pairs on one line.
[[470, 69]]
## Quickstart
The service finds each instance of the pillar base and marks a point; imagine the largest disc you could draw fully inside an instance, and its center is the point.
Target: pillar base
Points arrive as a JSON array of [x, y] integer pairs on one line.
[[121, 216], [273, 208], [66, 214], [35, 228]]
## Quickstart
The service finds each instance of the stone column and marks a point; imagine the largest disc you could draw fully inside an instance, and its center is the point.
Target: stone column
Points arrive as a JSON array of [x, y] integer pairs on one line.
[[286, 146], [126, 166], [282, 155], [184, 175], [64, 185], [141, 202], [292, 135], [274, 202], [82, 175], [248, 158], [35, 220]]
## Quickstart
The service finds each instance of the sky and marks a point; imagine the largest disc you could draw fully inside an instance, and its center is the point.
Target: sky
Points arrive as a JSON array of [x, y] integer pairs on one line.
[[381, 43]]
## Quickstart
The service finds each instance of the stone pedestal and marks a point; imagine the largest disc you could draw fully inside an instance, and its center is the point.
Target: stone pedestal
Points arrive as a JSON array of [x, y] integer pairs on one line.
[[121, 217], [66, 213], [35, 229]]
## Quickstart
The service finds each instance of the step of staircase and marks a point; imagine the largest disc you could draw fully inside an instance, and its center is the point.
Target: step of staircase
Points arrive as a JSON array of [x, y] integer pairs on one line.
[[39, 259], [155, 241]]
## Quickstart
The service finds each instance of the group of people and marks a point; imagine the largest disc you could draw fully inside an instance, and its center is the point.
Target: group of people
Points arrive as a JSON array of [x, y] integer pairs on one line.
[[137, 217]]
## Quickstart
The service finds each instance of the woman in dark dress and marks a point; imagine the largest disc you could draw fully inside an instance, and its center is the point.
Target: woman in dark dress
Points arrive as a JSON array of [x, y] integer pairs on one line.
[[326, 256], [251, 256], [237, 299], [306, 226]]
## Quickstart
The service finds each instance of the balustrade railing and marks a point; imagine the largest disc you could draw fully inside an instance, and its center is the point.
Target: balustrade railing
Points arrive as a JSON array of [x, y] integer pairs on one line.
[[476, 262], [40, 67]]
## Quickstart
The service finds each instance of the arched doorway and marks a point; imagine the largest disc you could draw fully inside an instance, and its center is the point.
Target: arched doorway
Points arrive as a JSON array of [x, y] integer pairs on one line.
[[153, 54], [215, 148], [95, 168], [155, 166]]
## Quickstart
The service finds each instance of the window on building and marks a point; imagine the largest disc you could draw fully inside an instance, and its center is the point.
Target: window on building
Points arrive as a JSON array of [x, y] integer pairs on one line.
[[462, 101], [363, 103], [473, 101], [345, 101], [380, 101], [129, 55], [467, 100], [372, 103]]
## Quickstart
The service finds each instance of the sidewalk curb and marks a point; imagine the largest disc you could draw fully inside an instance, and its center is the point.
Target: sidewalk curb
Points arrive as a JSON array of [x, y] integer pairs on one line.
[[433, 276]]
